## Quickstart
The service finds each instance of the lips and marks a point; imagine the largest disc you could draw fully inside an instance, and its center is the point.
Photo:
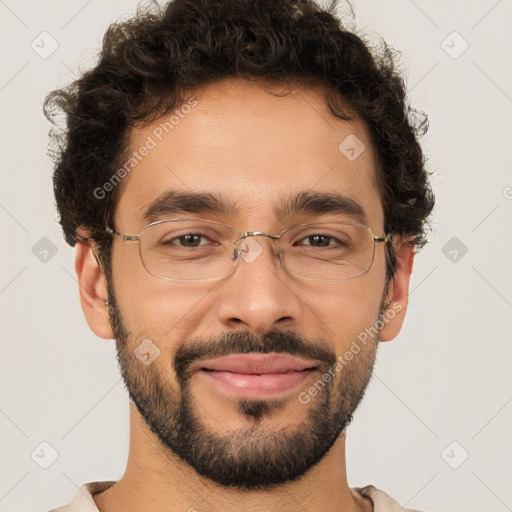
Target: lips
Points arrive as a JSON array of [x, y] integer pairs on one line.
[[258, 364], [257, 375]]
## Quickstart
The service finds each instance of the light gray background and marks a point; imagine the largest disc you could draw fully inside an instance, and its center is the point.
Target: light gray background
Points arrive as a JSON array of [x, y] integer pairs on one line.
[[445, 378]]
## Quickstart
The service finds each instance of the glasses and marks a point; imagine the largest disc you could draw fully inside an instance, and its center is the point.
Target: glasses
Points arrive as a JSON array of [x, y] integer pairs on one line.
[[204, 250]]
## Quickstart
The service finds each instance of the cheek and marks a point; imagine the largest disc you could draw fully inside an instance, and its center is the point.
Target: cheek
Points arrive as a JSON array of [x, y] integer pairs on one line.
[[345, 311], [151, 305]]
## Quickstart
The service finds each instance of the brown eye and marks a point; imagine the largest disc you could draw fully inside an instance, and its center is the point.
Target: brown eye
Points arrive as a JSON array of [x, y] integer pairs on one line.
[[189, 240], [318, 240]]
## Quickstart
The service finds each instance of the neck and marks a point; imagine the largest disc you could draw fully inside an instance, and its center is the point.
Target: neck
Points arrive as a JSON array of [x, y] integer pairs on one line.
[[156, 480]]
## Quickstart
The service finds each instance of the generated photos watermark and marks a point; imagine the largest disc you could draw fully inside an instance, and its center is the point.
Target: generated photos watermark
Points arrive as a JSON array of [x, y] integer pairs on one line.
[[343, 359]]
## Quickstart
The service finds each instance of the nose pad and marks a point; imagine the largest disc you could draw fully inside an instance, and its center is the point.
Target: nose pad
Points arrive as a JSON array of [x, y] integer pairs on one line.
[[238, 251]]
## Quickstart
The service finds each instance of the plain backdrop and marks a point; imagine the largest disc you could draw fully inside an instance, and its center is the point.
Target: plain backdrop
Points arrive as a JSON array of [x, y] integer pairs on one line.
[[434, 428]]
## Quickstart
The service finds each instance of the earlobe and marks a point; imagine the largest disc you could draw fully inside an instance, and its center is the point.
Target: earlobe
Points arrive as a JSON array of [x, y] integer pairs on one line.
[[93, 290], [398, 292]]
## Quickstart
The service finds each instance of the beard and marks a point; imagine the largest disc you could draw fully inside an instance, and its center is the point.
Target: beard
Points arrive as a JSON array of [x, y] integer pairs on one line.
[[255, 456]]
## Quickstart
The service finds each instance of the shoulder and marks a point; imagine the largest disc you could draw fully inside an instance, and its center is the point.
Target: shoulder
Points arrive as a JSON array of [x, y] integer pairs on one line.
[[83, 500], [382, 502]]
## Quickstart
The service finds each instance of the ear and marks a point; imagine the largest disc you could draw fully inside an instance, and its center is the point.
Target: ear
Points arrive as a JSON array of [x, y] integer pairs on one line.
[[398, 292], [93, 290]]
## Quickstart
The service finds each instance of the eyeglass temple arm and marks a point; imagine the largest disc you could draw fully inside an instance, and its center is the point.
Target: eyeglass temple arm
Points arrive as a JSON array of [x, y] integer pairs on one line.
[[94, 249], [126, 238], [385, 238]]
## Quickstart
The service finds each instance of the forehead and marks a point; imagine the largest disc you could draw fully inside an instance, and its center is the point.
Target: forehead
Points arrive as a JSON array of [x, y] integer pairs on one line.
[[255, 147]]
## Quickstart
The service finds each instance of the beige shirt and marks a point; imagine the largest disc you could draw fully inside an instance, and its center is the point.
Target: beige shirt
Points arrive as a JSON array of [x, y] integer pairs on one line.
[[83, 501]]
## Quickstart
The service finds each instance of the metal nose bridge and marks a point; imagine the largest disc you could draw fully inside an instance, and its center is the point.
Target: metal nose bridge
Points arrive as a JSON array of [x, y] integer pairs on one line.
[[257, 233]]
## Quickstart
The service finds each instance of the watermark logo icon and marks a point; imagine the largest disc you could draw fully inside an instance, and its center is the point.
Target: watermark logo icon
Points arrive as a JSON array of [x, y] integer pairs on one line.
[[44, 45], [147, 352], [44, 455], [454, 45], [454, 249], [250, 250], [352, 147], [44, 250], [454, 455]]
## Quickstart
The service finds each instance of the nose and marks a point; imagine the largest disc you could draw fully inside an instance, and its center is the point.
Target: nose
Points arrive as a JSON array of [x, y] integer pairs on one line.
[[259, 294]]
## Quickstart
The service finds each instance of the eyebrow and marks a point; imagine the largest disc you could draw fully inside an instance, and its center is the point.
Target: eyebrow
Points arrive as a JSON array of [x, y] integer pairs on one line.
[[308, 202]]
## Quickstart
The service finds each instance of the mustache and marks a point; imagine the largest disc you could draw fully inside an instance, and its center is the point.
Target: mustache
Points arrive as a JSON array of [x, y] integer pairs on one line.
[[243, 342]]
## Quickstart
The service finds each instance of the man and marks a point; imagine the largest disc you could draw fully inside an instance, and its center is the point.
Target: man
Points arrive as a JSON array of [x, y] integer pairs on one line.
[[246, 195]]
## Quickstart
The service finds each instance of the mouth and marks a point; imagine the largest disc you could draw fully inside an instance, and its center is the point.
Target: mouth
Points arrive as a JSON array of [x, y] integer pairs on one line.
[[257, 375]]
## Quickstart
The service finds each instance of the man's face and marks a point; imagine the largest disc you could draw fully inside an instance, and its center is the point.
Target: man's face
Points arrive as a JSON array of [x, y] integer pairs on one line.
[[254, 149]]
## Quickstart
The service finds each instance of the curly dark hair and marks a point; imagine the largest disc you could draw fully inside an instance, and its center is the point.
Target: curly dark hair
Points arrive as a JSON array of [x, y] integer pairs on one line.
[[148, 64]]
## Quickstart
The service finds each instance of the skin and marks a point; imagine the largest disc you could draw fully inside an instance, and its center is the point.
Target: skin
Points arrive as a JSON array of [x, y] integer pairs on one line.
[[251, 145]]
